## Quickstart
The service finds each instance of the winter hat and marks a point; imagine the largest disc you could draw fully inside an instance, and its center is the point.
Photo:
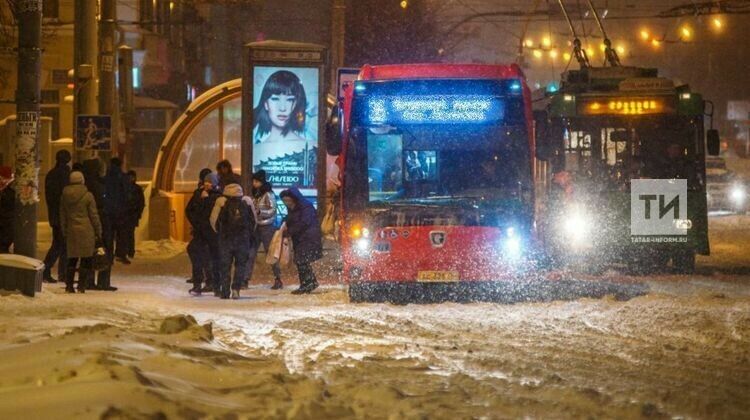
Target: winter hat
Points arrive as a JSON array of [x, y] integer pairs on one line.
[[212, 178], [62, 156], [260, 176], [76, 178], [203, 173]]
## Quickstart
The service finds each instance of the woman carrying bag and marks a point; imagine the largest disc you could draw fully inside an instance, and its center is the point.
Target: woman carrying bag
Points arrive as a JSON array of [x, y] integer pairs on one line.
[[302, 226], [81, 228]]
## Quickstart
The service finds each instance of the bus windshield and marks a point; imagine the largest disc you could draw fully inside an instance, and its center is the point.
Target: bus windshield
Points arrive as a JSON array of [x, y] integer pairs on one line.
[[438, 165]]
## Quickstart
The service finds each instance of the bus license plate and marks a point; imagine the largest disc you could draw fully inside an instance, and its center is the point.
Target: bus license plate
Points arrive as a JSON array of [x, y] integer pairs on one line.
[[437, 276]]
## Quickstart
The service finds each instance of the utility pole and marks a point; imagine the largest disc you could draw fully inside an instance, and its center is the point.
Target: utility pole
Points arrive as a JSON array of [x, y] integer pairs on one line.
[[85, 63], [107, 89], [28, 13], [338, 32], [125, 76]]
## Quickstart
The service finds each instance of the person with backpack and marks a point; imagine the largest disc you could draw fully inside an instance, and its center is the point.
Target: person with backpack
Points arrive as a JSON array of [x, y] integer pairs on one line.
[[302, 226], [233, 219], [265, 213]]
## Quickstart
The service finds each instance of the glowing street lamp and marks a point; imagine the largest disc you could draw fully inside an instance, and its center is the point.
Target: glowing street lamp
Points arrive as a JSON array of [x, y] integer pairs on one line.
[[645, 35], [404, 4], [553, 54], [718, 23], [566, 56], [538, 53], [686, 32], [655, 43], [528, 42], [546, 42]]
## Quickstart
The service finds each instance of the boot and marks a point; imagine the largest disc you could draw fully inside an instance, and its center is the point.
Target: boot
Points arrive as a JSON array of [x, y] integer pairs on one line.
[[195, 291], [277, 284], [235, 294]]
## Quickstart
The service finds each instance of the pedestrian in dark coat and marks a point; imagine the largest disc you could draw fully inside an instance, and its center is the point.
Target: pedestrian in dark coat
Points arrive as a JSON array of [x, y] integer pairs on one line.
[[7, 209], [302, 226], [134, 204], [265, 214], [54, 183], [203, 248], [95, 185], [79, 221], [226, 174], [114, 209], [233, 219]]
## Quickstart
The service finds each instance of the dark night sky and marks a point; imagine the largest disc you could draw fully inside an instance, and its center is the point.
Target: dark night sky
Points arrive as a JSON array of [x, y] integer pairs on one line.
[[713, 62]]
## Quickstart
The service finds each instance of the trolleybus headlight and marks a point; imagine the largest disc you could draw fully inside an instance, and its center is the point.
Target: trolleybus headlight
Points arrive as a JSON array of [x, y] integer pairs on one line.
[[738, 194], [576, 227]]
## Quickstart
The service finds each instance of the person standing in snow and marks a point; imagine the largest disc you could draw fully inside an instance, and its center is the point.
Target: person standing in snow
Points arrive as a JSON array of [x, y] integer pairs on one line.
[[203, 248], [134, 203], [233, 219], [96, 186], [7, 209], [265, 213], [302, 226], [79, 222], [54, 183]]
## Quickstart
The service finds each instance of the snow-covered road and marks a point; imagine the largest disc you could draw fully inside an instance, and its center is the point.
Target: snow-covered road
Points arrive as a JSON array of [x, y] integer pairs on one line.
[[683, 350]]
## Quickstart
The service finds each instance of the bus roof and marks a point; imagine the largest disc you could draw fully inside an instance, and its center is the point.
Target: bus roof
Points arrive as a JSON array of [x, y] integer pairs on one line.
[[440, 71]]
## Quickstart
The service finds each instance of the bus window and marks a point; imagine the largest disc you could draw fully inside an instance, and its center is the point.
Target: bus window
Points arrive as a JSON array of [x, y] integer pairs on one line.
[[384, 165]]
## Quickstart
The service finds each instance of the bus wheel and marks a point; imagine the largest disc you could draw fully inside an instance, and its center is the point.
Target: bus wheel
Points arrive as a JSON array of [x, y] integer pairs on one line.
[[684, 262]]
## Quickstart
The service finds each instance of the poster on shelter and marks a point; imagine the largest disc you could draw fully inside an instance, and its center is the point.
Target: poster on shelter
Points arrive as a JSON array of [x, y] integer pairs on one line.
[[285, 125]]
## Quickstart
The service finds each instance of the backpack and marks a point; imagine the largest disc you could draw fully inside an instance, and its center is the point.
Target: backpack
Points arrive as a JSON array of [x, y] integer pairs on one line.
[[235, 217]]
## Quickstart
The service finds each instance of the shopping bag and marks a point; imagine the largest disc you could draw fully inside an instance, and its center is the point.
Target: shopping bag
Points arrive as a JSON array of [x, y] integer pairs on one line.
[[328, 224], [286, 251], [100, 261], [274, 250]]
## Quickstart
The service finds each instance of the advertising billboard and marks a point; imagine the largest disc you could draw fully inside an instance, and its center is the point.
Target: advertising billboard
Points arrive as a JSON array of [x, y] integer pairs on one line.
[[285, 126]]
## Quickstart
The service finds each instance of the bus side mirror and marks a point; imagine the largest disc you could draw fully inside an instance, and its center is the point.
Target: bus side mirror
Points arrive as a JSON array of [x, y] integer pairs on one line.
[[713, 142], [544, 149], [334, 131]]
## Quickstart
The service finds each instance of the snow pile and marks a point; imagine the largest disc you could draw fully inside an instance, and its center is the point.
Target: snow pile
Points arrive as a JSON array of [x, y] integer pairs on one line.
[[162, 249]]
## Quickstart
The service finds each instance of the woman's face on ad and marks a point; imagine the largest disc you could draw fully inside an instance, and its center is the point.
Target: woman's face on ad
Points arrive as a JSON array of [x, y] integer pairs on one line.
[[279, 108]]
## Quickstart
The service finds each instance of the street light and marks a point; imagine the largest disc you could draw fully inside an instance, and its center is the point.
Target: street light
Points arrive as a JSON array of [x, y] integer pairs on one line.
[[553, 54], [686, 32], [546, 42], [528, 42], [718, 23], [566, 56], [538, 53], [404, 4], [655, 43], [645, 35]]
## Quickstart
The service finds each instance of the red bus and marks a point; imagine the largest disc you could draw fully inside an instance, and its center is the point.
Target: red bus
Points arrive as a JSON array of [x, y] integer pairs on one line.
[[437, 183]]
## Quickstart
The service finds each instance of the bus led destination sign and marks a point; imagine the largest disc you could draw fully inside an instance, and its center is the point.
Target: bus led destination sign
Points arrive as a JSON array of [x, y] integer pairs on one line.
[[435, 109]]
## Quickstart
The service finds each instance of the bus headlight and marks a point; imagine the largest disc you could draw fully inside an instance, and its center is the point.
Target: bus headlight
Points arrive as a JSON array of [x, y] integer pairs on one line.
[[512, 246], [738, 194], [362, 244]]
